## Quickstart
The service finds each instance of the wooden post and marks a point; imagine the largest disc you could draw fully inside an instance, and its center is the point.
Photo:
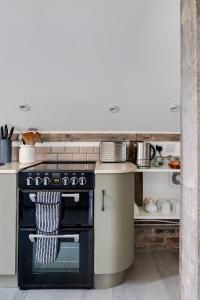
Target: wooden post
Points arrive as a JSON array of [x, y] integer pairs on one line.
[[190, 211], [138, 188]]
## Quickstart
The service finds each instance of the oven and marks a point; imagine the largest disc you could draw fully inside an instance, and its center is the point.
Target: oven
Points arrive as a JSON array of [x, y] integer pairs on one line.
[[76, 207], [73, 267], [74, 263]]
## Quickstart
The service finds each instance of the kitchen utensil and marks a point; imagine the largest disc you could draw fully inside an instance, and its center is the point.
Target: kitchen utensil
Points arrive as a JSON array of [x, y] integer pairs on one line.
[[164, 206], [145, 153], [37, 137], [11, 133], [159, 149], [158, 159], [28, 138], [5, 151], [27, 154], [2, 133], [113, 151], [5, 132]]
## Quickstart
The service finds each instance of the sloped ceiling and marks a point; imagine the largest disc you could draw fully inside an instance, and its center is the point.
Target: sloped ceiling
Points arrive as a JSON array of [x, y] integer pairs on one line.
[[70, 59]]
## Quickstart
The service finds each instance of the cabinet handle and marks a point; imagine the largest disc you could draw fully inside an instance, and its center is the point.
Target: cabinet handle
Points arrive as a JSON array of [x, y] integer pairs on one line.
[[103, 200]]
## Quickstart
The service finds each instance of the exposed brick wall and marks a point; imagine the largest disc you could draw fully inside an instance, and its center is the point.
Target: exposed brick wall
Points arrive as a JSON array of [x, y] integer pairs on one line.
[[156, 236], [62, 153]]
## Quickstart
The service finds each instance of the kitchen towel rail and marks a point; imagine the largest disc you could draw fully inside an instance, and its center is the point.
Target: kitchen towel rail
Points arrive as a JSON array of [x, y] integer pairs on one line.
[[32, 237], [76, 196]]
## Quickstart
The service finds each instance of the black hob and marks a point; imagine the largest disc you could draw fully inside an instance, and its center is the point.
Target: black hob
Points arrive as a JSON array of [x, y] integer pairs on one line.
[[58, 175]]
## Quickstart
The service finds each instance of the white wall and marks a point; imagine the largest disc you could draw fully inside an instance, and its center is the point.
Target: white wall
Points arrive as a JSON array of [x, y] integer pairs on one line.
[[160, 185], [69, 59]]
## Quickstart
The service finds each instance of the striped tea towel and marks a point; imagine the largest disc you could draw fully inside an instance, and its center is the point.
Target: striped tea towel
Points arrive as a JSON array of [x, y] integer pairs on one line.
[[47, 212]]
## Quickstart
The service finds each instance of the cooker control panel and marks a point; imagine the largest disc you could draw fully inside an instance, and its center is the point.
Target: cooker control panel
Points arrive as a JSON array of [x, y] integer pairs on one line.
[[46, 180], [62, 180], [38, 180], [65, 181], [82, 180]]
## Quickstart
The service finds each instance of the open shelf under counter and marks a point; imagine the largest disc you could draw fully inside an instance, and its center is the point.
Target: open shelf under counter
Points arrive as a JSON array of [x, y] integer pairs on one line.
[[142, 214], [158, 169]]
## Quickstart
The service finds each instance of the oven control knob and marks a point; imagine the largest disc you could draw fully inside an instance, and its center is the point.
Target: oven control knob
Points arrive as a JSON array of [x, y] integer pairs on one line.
[[65, 180], [38, 180], [82, 180], [74, 180], [46, 180], [29, 181]]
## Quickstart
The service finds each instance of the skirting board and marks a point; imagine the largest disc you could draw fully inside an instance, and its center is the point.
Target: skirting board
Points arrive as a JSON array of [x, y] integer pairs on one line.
[[7, 281]]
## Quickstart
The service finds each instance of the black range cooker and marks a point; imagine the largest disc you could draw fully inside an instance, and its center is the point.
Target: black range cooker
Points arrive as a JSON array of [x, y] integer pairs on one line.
[[74, 265]]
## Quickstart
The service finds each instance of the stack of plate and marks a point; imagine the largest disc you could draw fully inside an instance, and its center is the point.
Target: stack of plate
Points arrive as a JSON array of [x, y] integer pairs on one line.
[[113, 151]]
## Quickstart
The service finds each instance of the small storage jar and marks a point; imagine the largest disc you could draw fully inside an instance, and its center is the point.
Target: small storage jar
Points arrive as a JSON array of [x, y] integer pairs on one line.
[[27, 154]]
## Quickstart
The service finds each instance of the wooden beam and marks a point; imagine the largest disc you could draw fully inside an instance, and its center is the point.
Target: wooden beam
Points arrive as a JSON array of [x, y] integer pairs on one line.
[[158, 137], [97, 137], [138, 188], [190, 208]]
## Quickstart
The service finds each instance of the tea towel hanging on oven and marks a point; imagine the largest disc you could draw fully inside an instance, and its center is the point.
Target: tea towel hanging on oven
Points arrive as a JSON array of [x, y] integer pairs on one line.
[[47, 212]]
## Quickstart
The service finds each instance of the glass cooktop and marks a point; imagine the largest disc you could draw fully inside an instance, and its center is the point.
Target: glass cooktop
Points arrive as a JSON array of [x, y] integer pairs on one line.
[[60, 166]]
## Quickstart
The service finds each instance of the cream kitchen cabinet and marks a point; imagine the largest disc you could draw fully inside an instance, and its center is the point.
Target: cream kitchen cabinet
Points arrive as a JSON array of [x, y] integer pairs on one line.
[[8, 224], [114, 227]]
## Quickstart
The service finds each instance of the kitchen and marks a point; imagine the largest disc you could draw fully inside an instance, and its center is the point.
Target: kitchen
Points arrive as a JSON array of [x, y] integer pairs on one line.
[[73, 76]]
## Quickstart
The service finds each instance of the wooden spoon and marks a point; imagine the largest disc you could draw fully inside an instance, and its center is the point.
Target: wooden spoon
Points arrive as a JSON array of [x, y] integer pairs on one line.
[[37, 137], [28, 138]]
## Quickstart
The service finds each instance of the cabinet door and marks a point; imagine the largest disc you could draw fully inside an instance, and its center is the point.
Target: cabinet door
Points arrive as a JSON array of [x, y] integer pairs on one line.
[[7, 224], [113, 223]]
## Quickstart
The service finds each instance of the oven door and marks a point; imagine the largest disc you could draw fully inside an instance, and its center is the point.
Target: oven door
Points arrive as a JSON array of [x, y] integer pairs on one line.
[[76, 208], [73, 267]]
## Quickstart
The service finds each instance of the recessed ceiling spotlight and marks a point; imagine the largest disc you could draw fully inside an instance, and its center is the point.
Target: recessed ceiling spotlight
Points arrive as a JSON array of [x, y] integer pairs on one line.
[[113, 108], [24, 107], [32, 129], [174, 107]]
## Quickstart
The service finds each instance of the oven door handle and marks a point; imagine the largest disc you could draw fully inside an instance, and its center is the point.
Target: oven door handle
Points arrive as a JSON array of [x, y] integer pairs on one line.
[[32, 197], [32, 237], [76, 196]]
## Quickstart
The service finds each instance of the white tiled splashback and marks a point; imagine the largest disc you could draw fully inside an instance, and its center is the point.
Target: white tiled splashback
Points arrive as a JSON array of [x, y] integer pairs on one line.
[[82, 150], [63, 151]]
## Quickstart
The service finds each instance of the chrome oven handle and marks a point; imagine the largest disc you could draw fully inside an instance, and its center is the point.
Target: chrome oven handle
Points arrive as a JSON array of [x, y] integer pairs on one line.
[[32, 197], [76, 196], [32, 237]]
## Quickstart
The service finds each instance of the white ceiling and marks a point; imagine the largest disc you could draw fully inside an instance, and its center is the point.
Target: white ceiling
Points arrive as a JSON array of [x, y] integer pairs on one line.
[[70, 59]]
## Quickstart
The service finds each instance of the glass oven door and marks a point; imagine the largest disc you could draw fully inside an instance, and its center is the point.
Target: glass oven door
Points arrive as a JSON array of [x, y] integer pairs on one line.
[[73, 267]]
